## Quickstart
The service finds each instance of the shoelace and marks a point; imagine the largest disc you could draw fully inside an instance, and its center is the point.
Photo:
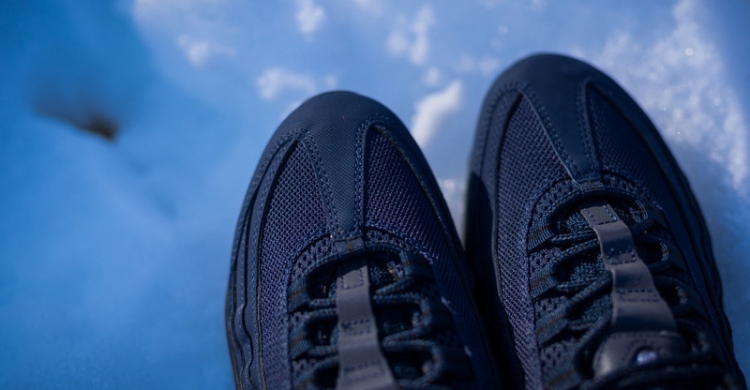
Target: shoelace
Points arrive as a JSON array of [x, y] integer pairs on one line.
[[410, 320], [588, 290]]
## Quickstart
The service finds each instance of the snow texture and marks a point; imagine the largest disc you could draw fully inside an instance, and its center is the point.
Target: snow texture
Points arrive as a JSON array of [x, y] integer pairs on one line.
[[130, 130]]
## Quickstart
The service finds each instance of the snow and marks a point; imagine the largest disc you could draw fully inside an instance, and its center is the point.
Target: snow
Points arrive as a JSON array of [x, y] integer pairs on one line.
[[114, 255]]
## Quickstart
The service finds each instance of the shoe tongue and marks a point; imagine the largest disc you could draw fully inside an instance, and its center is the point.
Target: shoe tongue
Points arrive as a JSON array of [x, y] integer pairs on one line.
[[573, 221], [384, 269]]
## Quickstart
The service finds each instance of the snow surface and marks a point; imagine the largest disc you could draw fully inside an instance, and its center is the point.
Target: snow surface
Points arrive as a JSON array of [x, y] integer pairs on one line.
[[114, 255]]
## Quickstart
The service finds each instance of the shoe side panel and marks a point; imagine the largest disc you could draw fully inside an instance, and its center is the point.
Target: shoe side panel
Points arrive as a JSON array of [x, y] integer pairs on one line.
[[519, 163], [293, 219], [242, 316], [481, 230], [402, 197]]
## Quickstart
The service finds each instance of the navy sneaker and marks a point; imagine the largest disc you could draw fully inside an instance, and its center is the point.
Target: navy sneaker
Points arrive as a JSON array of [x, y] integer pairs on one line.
[[346, 268], [594, 258]]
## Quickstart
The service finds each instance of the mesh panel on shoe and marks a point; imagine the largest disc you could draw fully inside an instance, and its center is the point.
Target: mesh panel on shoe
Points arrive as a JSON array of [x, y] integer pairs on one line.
[[556, 354], [394, 198], [527, 161], [396, 202], [310, 256], [539, 259], [295, 215]]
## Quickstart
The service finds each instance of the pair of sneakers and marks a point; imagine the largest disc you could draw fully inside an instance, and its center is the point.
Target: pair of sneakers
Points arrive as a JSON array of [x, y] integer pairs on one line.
[[587, 262]]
